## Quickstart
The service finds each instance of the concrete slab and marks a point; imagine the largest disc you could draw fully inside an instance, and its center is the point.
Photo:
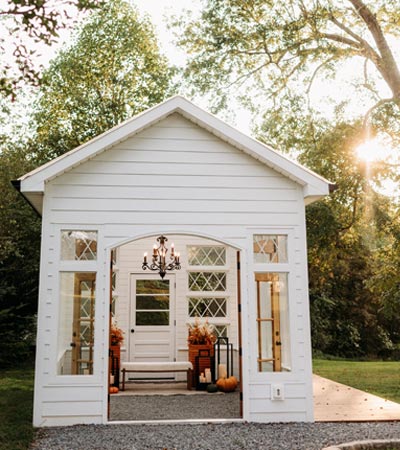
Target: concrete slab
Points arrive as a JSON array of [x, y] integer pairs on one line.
[[335, 402]]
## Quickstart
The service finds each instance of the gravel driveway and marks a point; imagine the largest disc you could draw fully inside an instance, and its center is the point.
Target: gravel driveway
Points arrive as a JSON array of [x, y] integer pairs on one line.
[[295, 436]]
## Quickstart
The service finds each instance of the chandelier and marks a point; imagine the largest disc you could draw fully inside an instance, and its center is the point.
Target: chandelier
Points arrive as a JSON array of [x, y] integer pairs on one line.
[[159, 258]]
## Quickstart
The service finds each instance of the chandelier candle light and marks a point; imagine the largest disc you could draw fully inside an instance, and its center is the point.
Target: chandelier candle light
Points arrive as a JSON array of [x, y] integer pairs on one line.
[[159, 257]]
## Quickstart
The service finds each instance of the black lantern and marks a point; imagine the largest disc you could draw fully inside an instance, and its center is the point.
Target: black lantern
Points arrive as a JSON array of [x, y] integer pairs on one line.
[[159, 258]]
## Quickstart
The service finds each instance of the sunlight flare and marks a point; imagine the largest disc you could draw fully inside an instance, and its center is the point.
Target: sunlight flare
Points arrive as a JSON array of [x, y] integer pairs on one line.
[[374, 150]]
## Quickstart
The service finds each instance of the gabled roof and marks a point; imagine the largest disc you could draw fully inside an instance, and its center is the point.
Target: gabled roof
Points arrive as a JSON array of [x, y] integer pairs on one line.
[[32, 184]]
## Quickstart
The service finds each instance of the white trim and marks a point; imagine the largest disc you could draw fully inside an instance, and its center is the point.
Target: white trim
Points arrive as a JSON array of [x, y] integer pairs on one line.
[[314, 185]]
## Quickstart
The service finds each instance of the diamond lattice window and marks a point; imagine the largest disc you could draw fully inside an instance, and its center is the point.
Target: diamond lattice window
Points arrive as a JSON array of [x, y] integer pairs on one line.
[[207, 307], [270, 248], [221, 330], [206, 256], [207, 281], [79, 245]]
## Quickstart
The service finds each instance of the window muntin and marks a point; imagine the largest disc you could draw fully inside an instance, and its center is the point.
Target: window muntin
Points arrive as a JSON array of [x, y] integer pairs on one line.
[[221, 330], [207, 306], [206, 255], [273, 322], [207, 281], [76, 323], [270, 248], [78, 245]]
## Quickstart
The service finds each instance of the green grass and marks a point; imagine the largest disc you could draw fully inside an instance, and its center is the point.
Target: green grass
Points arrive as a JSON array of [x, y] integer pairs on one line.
[[16, 399], [381, 378]]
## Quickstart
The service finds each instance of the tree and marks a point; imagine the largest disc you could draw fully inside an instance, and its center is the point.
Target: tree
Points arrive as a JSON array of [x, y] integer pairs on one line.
[[36, 20], [111, 72], [19, 260], [280, 46]]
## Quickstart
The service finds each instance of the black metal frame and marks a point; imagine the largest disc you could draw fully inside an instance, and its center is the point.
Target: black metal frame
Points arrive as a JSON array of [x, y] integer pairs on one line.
[[229, 353]]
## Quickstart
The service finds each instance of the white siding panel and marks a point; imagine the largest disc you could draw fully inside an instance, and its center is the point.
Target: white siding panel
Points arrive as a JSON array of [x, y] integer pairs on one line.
[[176, 218], [167, 205], [173, 156], [263, 391], [287, 416], [287, 405], [174, 169], [72, 408], [177, 180], [69, 393], [64, 421], [176, 193]]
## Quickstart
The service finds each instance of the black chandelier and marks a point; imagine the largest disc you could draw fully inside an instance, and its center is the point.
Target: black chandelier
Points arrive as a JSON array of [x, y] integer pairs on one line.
[[159, 257]]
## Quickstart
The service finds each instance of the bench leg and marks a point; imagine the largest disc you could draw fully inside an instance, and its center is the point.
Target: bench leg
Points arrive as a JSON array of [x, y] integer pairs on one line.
[[189, 375], [123, 380]]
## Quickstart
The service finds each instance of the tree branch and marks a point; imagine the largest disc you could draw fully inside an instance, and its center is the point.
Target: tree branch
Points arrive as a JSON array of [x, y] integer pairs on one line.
[[387, 67], [377, 105]]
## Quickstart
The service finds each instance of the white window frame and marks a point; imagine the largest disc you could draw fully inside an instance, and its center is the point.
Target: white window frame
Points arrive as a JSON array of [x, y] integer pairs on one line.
[[290, 269]]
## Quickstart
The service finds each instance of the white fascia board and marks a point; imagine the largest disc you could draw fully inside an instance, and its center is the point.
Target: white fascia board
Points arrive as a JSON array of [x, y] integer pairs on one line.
[[35, 180], [262, 152]]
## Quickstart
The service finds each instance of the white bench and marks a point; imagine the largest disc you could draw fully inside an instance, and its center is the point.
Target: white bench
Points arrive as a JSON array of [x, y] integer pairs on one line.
[[160, 367]]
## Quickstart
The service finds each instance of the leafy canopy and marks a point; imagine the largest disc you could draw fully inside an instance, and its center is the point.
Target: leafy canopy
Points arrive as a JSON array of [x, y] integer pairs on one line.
[[279, 46], [111, 72], [33, 21]]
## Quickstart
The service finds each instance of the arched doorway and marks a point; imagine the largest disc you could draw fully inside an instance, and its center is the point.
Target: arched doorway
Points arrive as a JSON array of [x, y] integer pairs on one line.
[[154, 315]]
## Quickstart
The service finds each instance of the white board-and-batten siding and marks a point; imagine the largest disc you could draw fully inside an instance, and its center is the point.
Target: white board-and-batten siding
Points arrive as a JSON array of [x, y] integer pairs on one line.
[[171, 177]]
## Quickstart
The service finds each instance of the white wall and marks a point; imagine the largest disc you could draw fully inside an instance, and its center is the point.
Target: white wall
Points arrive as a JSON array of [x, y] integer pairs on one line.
[[171, 178], [130, 258]]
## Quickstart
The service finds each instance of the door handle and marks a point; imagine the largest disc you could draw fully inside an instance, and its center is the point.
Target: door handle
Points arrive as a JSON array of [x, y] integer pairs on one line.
[[132, 330], [72, 344]]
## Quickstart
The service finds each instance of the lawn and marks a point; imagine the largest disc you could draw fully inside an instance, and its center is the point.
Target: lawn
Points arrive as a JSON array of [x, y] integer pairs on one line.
[[381, 378], [16, 398]]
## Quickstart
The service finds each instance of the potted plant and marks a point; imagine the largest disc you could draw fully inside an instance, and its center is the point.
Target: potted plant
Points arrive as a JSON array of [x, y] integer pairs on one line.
[[116, 337], [201, 341]]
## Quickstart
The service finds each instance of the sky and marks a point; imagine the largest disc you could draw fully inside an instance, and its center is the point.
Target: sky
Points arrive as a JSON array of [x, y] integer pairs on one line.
[[160, 11]]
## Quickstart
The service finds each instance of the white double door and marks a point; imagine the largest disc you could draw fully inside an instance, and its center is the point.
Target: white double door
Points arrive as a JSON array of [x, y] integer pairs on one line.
[[152, 321]]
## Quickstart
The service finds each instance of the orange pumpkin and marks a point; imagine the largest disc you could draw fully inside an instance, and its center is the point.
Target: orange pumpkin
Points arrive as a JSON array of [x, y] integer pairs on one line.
[[113, 389], [227, 384]]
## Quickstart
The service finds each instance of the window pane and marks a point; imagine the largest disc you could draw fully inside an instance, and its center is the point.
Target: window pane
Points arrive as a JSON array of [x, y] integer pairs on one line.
[[273, 322], [152, 318], [152, 286], [268, 248], [76, 323], [207, 281], [221, 330], [78, 245], [152, 302], [207, 307], [206, 255]]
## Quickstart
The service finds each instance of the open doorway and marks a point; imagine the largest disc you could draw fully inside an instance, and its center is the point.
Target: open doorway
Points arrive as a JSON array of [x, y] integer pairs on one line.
[[156, 376]]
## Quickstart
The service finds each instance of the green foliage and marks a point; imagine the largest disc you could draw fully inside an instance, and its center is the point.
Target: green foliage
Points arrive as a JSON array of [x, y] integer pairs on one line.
[[349, 235], [19, 262], [376, 377], [113, 71], [37, 21], [16, 402], [265, 50]]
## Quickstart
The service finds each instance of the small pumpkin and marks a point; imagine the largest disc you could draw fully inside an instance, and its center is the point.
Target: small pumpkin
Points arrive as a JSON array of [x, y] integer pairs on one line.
[[113, 389], [227, 384], [211, 388]]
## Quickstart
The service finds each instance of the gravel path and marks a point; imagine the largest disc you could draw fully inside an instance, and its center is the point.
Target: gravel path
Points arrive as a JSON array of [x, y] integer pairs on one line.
[[174, 407], [295, 436]]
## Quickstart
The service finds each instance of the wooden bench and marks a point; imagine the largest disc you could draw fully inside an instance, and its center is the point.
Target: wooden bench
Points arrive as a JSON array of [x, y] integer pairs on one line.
[[158, 367]]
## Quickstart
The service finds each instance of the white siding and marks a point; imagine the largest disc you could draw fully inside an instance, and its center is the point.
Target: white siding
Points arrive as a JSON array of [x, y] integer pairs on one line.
[[173, 177]]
